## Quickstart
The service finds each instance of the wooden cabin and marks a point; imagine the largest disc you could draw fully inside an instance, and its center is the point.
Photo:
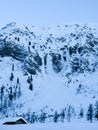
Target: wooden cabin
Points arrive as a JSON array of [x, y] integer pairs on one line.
[[14, 121]]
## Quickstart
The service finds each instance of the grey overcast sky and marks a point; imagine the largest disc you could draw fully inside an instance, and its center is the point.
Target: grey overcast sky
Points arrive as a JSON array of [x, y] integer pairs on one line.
[[48, 12]]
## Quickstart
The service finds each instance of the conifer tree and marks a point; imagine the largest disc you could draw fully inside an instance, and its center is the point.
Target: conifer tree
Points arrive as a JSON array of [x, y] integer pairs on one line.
[[1, 97], [10, 97], [17, 80], [11, 77], [31, 86], [13, 67], [96, 110], [90, 113], [81, 114], [62, 115], [55, 117], [28, 80], [69, 113], [42, 117]]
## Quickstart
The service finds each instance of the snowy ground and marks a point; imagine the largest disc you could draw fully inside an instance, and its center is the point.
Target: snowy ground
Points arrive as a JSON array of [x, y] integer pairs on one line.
[[52, 126]]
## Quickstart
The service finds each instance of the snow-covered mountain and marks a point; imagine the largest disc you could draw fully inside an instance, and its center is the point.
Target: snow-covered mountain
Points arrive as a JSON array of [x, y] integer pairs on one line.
[[48, 69]]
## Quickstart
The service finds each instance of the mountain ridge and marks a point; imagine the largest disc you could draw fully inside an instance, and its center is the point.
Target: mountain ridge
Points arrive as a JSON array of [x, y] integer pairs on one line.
[[49, 68]]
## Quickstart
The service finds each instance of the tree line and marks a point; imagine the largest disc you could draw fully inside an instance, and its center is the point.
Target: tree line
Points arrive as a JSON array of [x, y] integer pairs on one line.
[[8, 95], [67, 114]]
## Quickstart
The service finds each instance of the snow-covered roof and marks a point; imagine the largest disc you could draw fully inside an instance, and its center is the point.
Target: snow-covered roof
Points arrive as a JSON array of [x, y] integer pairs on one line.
[[11, 119]]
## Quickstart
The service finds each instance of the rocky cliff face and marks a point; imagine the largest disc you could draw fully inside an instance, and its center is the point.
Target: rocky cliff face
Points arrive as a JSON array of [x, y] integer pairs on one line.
[[77, 49]]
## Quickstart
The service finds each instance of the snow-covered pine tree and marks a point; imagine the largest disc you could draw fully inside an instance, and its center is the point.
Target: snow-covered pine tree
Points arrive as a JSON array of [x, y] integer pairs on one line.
[[1, 97], [81, 113], [62, 114], [90, 113], [55, 117], [69, 113], [96, 110]]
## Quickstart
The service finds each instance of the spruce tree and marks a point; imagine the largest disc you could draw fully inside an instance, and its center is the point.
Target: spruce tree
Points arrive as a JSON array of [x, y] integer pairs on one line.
[[17, 80], [11, 77], [28, 80], [62, 115], [13, 67], [10, 97], [90, 113], [1, 97], [31, 86], [55, 117], [69, 113], [81, 114], [96, 110]]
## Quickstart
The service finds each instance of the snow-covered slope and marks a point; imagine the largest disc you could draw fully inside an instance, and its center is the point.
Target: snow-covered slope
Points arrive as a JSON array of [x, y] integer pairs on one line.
[[47, 69], [52, 126]]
